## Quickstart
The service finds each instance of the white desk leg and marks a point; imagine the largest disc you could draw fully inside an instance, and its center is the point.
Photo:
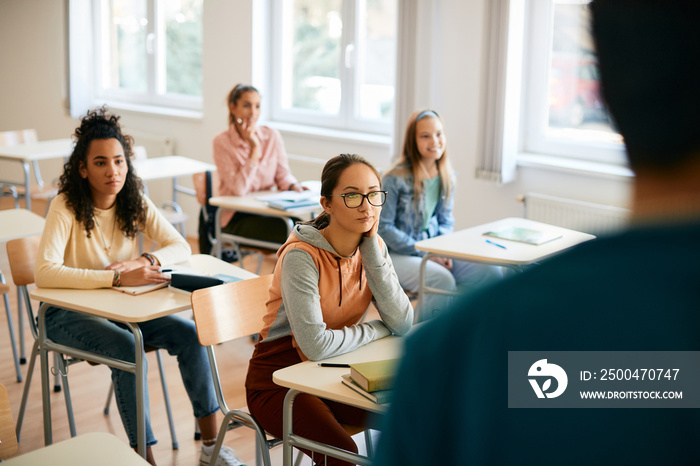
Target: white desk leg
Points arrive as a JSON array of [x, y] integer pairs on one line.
[[175, 189], [140, 387], [421, 288], [287, 423], [44, 360], [27, 193]]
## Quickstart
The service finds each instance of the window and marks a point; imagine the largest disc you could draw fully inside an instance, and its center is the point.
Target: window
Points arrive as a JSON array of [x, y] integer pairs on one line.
[[149, 52], [333, 63], [544, 103], [564, 111]]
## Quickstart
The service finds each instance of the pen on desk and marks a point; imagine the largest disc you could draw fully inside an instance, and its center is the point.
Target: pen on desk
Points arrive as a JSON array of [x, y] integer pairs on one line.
[[330, 364], [496, 244]]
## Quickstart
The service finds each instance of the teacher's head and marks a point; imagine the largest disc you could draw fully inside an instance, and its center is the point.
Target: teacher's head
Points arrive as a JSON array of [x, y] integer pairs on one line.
[[99, 173]]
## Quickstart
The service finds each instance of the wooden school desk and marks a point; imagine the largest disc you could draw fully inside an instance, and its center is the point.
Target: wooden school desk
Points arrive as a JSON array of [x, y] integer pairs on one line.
[[121, 307], [326, 382], [471, 245], [83, 450], [18, 223], [250, 204], [34, 152]]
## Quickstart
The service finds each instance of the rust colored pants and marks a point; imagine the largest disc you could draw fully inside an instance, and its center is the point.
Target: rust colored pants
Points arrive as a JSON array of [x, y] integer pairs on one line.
[[314, 418]]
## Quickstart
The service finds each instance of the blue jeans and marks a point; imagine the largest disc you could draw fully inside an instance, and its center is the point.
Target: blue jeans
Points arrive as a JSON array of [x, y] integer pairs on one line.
[[173, 333], [464, 276]]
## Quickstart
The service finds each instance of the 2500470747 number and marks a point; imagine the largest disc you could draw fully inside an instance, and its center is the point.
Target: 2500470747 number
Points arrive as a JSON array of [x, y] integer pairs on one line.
[[639, 374]]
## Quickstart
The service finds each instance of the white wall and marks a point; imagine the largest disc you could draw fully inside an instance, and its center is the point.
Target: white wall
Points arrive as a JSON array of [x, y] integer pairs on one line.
[[33, 94]]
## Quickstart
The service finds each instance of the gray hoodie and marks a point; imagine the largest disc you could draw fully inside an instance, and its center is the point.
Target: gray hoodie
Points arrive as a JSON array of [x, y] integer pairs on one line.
[[320, 297]]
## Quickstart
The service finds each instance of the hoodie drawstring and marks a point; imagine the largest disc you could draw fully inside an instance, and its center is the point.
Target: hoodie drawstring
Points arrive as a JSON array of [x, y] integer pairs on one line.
[[340, 280]]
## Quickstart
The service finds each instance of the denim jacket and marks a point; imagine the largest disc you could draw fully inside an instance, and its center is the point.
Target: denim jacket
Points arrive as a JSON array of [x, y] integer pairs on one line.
[[400, 223]]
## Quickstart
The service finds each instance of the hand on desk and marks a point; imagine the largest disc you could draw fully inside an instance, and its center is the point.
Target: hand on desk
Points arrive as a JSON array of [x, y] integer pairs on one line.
[[444, 261], [141, 275], [297, 187]]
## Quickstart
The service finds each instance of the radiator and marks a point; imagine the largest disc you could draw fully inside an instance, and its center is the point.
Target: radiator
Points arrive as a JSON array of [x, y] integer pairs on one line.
[[588, 217], [156, 145]]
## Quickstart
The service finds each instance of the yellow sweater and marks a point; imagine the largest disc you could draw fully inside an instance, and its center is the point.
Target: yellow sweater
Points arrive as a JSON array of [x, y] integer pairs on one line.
[[67, 258]]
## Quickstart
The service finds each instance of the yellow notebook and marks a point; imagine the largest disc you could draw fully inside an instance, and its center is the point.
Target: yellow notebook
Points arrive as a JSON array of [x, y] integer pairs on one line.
[[374, 375]]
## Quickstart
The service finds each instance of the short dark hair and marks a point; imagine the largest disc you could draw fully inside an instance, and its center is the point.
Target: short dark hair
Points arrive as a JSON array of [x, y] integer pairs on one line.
[[648, 58], [131, 209]]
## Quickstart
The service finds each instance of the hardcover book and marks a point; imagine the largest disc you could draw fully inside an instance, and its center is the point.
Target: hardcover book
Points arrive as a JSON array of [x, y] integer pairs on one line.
[[374, 375], [379, 397]]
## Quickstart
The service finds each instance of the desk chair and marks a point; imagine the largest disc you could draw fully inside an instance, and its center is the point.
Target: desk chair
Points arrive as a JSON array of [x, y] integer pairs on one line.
[[23, 136], [22, 256], [5, 290], [170, 210], [206, 190], [224, 313], [8, 439]]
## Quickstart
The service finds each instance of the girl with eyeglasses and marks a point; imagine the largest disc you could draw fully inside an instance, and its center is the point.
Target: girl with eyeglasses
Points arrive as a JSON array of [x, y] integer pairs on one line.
[[420, 199], [327, 274]]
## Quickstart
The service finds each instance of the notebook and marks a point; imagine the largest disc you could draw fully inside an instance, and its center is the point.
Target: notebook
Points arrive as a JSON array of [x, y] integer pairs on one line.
[[141, 289], [282, 204], [524, 235]]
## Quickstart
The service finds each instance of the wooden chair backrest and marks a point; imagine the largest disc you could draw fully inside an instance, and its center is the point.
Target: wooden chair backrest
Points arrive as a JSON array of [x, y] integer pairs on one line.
[[8, 437], [22, 256], [230, 311], [199, 180], [20, 136]]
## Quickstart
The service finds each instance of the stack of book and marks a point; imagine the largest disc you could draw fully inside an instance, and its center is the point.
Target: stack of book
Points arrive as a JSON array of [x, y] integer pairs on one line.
[[372, 380]]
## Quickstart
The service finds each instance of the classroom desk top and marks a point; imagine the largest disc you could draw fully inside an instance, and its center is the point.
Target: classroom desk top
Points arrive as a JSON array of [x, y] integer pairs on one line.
[[40, 150], [112, 304], [170, 166], [19, 223], [251, 204], [84, 450], [326, 382], [470, 244]]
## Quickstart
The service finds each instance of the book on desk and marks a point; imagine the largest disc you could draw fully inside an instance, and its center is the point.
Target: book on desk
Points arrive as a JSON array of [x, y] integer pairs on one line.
[[286, 200], [373, 376], [379, 396], [524, 235]]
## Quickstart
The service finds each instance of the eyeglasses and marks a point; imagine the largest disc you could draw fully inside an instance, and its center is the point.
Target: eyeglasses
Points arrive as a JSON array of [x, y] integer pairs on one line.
[[355, 200]]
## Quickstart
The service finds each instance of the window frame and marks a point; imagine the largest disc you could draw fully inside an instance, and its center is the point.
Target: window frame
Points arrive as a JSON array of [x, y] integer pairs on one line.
[[538, 37], [155, 95], [517, 76], [345, 120]]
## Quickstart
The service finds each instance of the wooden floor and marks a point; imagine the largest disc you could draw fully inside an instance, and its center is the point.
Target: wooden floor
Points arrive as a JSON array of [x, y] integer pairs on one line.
[[89, 386]]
